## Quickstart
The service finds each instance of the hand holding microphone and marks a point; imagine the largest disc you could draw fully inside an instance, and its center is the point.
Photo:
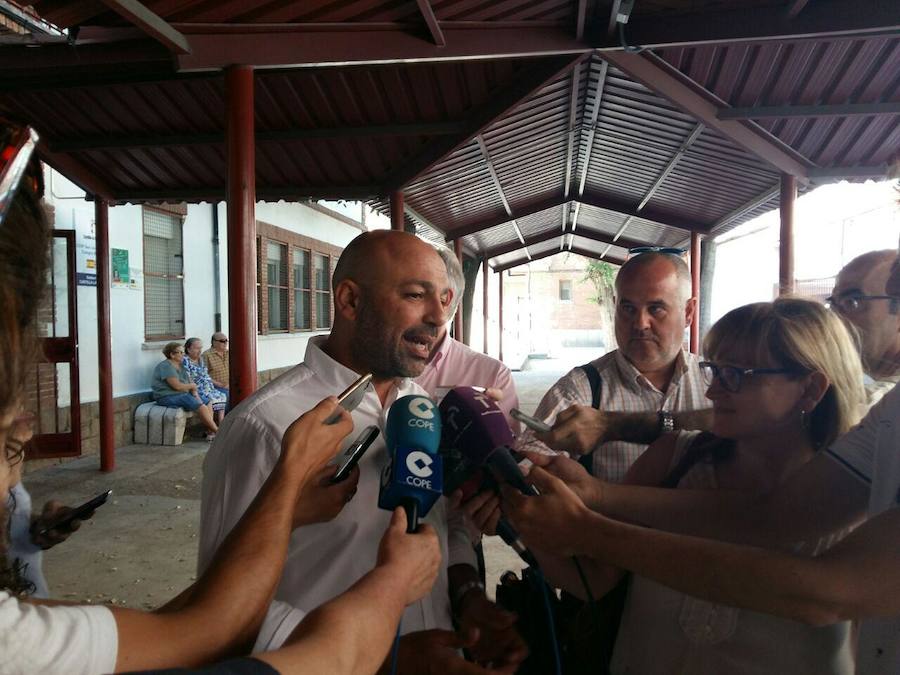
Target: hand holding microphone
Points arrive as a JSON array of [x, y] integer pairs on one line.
[[414, 478], [414, 560]]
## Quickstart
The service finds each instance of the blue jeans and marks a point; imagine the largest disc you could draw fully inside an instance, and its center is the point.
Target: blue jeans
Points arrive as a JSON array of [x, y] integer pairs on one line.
[[182, 400]]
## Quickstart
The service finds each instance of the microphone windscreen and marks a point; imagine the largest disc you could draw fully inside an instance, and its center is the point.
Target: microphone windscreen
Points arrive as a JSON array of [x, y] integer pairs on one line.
[[413, 422], [473, 424]]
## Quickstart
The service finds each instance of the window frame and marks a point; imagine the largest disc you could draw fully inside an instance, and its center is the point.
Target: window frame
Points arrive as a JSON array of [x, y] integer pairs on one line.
[[570, 288], [294, 242], [175, 214]]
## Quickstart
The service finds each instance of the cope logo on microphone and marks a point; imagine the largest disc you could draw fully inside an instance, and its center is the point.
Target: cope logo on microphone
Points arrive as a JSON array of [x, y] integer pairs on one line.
[[422, 411], [418, 464]]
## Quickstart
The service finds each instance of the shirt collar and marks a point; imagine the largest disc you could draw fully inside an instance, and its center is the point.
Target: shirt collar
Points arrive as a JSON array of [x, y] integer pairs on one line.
[[442, 351], [334, 374], [635, 381]]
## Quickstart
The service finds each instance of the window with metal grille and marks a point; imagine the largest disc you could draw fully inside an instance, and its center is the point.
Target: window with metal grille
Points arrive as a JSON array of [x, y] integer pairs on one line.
[[277, 285], [302, 290], [163, 276], [322, 266]]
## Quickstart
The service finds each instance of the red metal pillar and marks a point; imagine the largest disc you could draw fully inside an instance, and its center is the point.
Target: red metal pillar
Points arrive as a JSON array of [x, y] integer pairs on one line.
[[500, 317], [695, 291], [241, 151], [458, 319], [485, 272], [786, 248], [398, 222], [104, 338]]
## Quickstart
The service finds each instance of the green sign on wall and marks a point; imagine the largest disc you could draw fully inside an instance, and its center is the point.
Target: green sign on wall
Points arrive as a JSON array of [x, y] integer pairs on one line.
[[120, 266]]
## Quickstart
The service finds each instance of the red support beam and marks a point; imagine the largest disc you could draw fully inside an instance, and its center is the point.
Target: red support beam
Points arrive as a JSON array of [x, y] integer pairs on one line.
[[104, 338], [788, 197], [485, 274], [500, 316], [242, 310], [458, 319], [434, 28], [398, 220], [695, 291]]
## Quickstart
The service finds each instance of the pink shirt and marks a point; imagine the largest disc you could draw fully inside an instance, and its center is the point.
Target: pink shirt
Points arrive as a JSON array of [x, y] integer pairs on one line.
[[456, 365]]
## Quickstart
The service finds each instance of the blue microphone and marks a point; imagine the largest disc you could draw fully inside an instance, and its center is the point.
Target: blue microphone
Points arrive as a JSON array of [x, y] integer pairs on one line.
[[414, 479]]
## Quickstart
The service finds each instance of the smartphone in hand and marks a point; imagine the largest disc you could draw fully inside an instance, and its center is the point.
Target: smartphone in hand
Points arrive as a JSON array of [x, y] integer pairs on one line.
[[78, 513], [351, 397], [355, 452], [529, 421]]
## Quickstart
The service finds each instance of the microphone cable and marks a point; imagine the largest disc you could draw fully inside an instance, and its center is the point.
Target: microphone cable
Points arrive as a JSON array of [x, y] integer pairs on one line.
[[551, 623], [584, 580]]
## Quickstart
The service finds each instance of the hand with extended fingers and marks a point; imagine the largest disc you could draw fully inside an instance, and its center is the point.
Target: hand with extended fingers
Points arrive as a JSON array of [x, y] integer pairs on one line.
[[554, 520]]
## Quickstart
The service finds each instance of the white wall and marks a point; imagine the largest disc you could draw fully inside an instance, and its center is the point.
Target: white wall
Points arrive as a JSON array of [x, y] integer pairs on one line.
[[133, 358], [832, 225]]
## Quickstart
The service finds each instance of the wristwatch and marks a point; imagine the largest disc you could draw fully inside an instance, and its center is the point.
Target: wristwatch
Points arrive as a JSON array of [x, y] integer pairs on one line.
[[461, 592], [666, 422]]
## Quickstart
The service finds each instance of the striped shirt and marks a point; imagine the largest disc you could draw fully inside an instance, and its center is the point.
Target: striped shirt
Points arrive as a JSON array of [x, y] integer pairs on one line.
[[217, 365], [623, 389]]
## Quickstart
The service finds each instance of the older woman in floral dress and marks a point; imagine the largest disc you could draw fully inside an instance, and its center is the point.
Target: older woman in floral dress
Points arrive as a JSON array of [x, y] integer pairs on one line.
[[209, 394]]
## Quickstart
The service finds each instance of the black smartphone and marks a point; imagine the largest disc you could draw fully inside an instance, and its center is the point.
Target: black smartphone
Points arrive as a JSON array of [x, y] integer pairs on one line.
[[351, 397], [355, 452], [529, 421], [78, 512]]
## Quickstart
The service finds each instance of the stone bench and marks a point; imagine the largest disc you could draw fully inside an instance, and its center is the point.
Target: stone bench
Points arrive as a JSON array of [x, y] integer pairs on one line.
[[159, 425]]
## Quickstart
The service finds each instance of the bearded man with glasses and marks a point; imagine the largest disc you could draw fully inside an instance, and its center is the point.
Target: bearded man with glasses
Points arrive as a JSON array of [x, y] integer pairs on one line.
[[859, 298]]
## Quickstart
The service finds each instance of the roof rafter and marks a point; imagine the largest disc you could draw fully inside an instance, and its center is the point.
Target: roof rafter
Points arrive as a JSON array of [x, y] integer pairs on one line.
[[495, 179], [437, 35], [505, 100], [597, 201], [551, 252], [150, 24], [824, 110], [670, 83], [281, 47], [109, 142], [820, 19], [264, 193]]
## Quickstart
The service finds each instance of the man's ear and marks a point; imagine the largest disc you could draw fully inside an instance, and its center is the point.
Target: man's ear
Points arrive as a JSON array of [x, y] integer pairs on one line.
[[347, 299], [690, 311]]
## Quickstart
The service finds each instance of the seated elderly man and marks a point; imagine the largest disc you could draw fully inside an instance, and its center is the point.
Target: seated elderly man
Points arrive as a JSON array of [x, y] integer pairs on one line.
[[387, 318]]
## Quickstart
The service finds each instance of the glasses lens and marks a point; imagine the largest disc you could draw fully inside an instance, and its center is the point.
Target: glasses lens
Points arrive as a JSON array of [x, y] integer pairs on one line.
[[708, 372], [730, 378]]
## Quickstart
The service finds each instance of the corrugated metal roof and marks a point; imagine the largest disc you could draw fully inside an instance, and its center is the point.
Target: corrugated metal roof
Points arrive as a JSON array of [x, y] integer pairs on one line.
[[476, 142]]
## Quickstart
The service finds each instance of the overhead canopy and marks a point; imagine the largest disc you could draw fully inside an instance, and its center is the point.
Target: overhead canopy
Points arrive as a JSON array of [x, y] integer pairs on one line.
[[521, 127]]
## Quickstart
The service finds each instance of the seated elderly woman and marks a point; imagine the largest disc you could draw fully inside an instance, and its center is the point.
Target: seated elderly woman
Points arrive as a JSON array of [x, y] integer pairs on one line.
[[211, 395], [173, 388], [785, 381]]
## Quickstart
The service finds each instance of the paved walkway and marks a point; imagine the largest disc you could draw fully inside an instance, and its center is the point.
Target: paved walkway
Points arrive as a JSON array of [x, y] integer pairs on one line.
[[141, 547]]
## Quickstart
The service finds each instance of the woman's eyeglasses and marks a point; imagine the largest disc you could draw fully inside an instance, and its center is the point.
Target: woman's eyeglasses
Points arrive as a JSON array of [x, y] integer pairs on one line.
[[731, 377], [17, 145]]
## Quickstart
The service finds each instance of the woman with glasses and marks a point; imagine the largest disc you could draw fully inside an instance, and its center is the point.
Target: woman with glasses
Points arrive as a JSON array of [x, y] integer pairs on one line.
[[785, 380], [173, 387]]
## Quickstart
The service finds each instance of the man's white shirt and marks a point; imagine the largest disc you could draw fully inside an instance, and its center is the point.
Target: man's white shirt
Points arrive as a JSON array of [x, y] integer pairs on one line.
[[871, 453], [324, 559]]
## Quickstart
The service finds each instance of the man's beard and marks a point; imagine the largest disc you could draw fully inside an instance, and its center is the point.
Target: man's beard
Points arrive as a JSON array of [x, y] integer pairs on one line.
[[373, 349]]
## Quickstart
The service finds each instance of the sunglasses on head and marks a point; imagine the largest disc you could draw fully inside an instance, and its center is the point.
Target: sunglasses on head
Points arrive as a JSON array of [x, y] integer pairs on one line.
[[17, 170], [670, 250]]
